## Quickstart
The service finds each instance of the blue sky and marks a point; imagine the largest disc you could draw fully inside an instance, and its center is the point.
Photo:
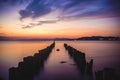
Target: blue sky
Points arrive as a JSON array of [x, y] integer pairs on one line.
[[67, 8], [31, 13]]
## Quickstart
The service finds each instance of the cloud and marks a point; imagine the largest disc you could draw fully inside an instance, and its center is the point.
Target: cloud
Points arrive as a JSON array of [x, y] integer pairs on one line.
[[68, 9], [9, 5], [39, 23], [27, 26], [1, 26], [48, 21], [13, 2], [2, 33], [74, 8]]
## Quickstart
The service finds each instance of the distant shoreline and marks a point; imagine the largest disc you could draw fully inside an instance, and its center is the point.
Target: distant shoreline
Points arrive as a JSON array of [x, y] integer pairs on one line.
[[59, 40], [92, 38]]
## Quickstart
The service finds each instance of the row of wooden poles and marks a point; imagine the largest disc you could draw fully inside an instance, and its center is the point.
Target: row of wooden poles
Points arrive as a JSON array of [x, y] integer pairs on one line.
[[31, 65], [86, 68]]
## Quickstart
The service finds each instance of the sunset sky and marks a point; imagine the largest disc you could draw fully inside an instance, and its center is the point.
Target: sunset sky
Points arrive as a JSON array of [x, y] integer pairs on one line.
[[59, 18]]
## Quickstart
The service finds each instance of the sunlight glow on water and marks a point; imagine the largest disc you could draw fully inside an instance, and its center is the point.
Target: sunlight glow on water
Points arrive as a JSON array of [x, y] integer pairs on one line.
[[104, 53]]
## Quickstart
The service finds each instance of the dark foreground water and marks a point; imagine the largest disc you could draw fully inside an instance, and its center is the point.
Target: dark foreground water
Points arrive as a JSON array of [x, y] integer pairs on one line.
[[104, 53]]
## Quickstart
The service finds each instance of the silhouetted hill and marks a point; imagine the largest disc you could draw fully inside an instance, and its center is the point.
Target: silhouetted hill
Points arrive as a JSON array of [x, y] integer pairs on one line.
[[3, 38], [107, 38], [110, 38]]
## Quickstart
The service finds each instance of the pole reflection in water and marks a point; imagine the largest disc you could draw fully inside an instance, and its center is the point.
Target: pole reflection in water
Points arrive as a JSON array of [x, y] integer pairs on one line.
[[30, 65], [59, 66]]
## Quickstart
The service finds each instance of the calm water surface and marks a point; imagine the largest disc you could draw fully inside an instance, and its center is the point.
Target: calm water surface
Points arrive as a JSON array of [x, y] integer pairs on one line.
[[104, 53]]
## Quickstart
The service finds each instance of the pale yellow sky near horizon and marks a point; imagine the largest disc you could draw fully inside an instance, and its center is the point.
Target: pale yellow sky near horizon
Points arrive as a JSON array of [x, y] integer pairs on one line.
[[11, 26]]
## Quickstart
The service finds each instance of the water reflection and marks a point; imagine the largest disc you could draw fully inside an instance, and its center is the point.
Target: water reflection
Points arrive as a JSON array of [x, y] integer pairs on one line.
[[85, 68], [55, 70], [1, 78], [30, 65], [104, 53], [12, 52], [107, 74]]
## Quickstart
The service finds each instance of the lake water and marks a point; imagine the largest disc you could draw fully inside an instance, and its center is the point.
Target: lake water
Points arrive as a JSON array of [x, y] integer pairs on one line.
[[104, 53]]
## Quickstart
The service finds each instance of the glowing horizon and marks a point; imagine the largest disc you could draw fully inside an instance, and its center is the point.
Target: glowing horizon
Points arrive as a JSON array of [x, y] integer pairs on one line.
[[22, 20]]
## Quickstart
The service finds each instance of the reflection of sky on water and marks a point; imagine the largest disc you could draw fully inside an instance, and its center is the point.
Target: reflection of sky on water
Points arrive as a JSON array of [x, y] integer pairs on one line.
[[105, 54]]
